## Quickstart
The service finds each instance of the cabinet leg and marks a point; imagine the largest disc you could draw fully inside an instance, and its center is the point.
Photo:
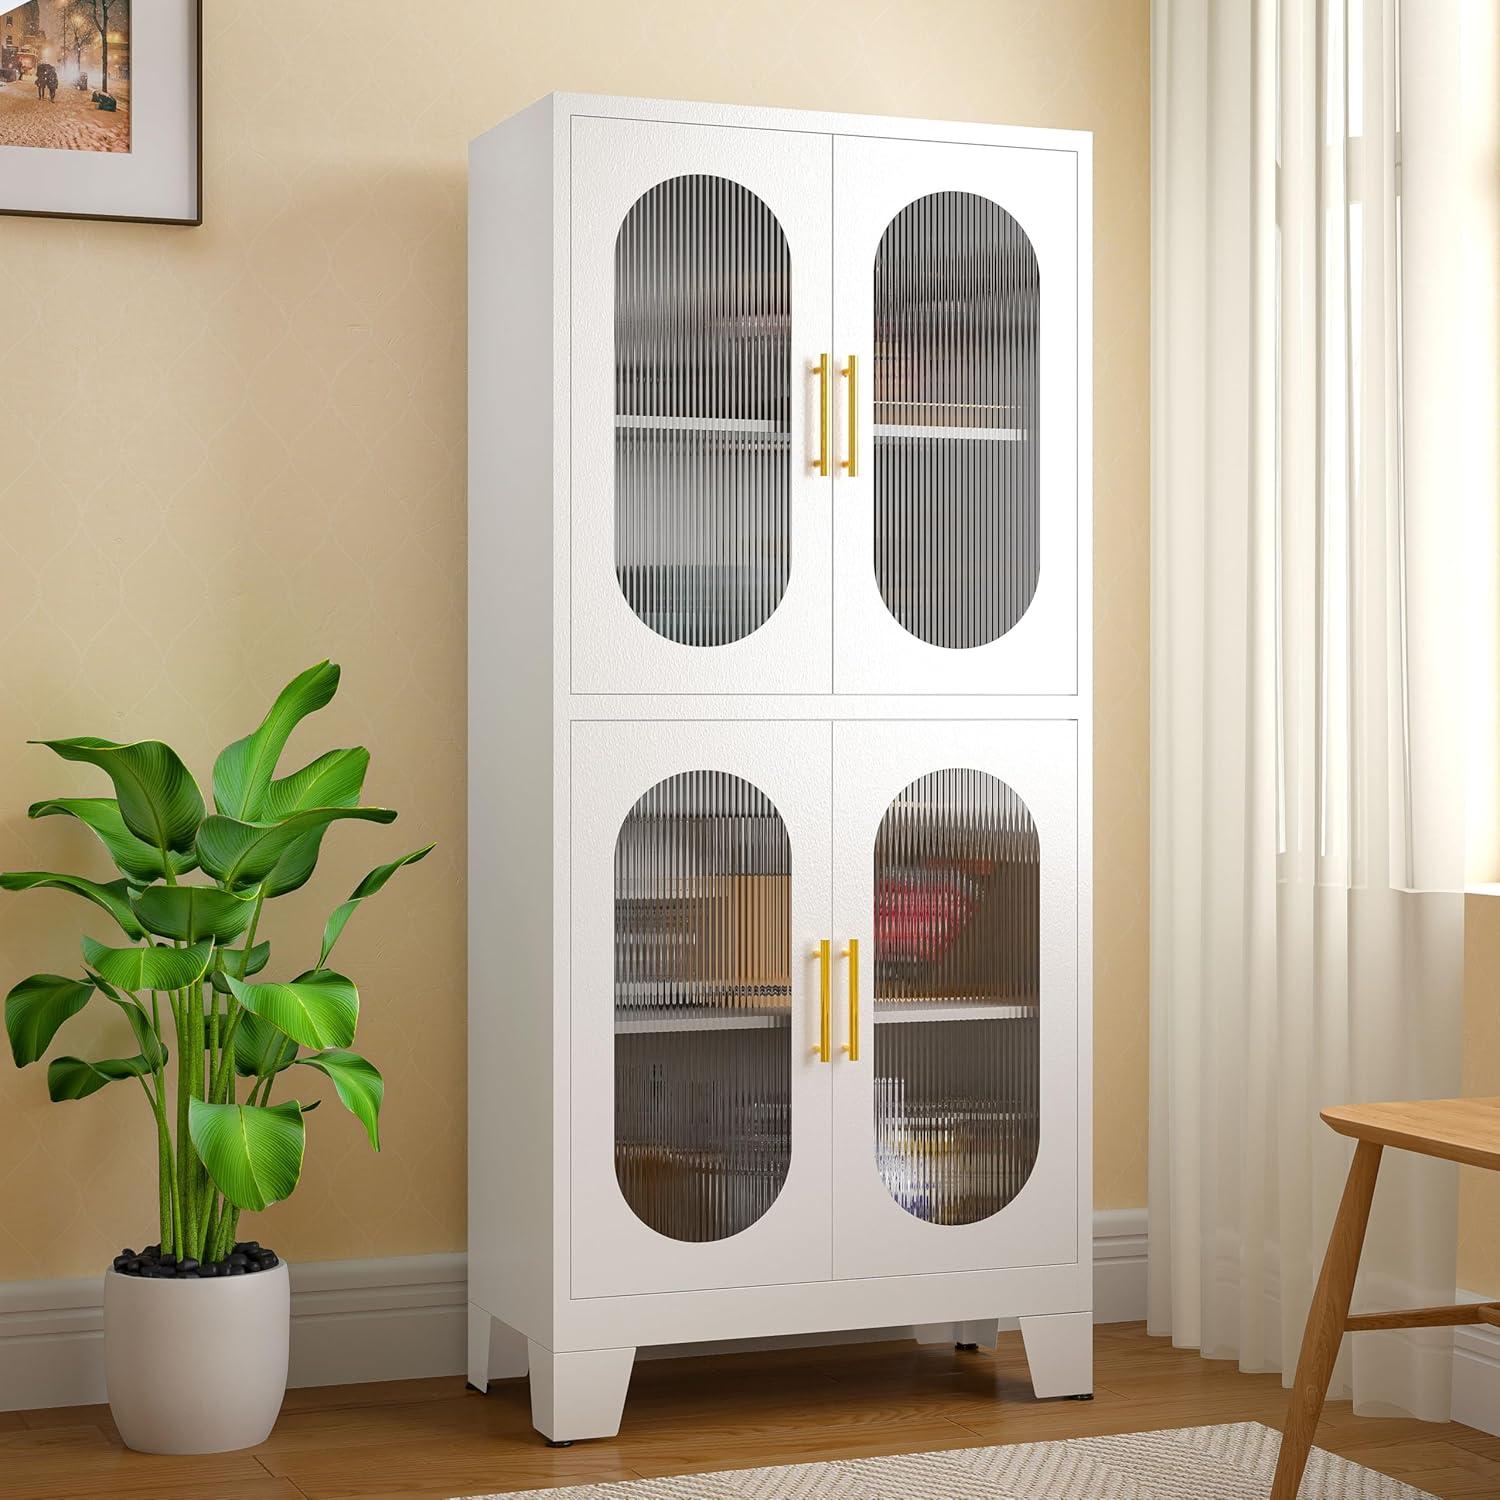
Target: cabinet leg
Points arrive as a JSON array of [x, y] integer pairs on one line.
[[1060, 1352], [935, 1333], [481, 1328], [496, 1350], [578, 1395], [977, 1335]]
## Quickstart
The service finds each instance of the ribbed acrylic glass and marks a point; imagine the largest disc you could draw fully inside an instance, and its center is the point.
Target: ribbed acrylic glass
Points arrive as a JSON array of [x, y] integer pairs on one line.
[[957, 970], [703, 1128], [957, 289], [703, 410]]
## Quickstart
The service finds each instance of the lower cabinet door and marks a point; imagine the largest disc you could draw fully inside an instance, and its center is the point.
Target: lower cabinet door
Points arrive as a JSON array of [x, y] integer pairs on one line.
[[956, 1118], [700, 1109]]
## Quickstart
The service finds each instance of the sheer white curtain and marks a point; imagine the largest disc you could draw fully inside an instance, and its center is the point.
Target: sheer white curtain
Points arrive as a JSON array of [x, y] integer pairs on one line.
[[1307, 744]]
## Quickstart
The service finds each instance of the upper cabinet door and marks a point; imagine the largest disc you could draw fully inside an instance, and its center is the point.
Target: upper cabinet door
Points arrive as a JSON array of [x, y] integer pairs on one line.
[[701, 480], [956, 283]]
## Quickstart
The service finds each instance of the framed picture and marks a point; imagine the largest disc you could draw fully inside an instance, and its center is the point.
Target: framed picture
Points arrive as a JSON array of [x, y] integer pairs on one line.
[[101, 109]]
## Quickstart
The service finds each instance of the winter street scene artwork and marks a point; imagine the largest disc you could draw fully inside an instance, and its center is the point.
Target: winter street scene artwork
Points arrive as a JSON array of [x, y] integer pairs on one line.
[[65, 74]]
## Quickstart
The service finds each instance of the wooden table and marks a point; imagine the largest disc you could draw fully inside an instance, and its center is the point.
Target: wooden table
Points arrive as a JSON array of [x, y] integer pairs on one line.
[[1461, 1130]]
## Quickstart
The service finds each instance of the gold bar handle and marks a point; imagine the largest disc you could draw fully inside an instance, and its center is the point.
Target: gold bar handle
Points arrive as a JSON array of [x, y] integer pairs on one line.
[[824, 1050], [850, 372], [852, 954], [820, 463]]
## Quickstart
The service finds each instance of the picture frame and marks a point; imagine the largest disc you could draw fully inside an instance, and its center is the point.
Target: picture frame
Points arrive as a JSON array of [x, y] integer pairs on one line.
[[101, 110]]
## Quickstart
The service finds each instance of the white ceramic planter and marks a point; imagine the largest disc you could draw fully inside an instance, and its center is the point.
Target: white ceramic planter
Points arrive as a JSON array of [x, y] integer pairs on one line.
[[196, 1366]]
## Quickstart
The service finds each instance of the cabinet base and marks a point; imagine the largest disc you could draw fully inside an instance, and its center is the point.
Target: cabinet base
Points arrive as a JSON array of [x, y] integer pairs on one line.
[[974, 1333], [582, 1394], [578, 1395], [1060, 1353], [496, 1351]]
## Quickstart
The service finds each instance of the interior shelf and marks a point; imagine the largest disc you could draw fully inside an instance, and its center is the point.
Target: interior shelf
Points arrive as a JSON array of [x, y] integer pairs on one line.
[[638, 1019], [951, 433], [750, 426], [887, 1011]]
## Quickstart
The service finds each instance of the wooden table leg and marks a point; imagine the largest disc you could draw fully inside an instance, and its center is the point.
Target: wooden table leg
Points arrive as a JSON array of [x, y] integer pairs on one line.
[[1325, 1321]]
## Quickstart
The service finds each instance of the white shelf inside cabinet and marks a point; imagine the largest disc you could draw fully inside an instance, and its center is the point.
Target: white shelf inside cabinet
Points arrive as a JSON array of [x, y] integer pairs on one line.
[[638, 1019], [756, 427], [952, 434], [887, 1012]]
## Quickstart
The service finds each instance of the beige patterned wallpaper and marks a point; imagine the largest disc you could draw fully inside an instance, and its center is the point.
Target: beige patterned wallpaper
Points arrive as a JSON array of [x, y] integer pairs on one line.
[[230, 451]]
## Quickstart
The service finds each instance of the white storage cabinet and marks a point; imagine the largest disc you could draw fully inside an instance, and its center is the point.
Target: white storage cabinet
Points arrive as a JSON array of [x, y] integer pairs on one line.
[[780, 725]]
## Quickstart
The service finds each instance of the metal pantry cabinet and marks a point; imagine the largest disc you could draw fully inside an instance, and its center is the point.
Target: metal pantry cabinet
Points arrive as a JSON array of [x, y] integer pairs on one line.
[[779, 738]]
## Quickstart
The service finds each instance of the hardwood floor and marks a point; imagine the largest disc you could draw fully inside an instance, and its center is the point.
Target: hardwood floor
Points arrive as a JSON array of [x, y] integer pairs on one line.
[[432, 1438]]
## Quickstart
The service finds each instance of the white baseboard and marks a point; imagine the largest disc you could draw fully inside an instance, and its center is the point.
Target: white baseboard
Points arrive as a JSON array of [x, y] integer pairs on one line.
[[394, 1319], [1120, 1265], [1476, 1373], [352, 1320]]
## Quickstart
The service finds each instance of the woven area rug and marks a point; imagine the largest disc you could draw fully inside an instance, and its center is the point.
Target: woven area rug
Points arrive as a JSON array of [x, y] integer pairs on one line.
[[1191, 1463]]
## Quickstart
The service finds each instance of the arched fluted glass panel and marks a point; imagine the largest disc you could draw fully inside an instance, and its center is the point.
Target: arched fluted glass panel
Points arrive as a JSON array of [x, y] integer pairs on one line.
[[703, 410], [957, 289], [957, 969], [703, 1075]]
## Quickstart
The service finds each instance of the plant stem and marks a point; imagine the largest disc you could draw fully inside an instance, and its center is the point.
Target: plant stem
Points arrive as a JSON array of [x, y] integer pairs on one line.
[[211, 995], [202, 1184], [167, 1183], [186, 1198], [224, 1077], [168, 1216], [211, 1234], [228, 1222], [260, 901], [222, 1074]]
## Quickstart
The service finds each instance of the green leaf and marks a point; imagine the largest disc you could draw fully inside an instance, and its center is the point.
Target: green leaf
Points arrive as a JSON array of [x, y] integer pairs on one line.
[[294, 869], [233, 961], [253, 1153], [317, 1009], [72, 1078], [365, 889], [34, 1010], [358, 1082], [191, 912], [149, 968], [153, 1049], [244, 769], [114, 897], [260, 1049], [332, 780], [138, 861], [159, 800], [241, 855]]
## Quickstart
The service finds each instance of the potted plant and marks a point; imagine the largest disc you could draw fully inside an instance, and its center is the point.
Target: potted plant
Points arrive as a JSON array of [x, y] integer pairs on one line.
[[212, 1043]]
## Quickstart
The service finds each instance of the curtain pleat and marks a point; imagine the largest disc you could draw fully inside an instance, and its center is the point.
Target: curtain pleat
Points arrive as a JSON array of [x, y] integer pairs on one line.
[[1306, 827]]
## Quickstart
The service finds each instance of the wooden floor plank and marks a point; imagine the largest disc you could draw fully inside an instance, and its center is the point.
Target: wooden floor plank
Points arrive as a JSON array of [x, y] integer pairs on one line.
[[810, 1442], [432, 1439]]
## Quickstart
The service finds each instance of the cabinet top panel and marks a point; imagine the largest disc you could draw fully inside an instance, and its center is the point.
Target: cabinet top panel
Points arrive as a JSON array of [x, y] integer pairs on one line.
[[819, 122]]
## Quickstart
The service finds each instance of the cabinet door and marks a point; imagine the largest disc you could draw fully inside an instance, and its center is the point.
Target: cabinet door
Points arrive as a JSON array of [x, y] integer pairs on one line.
[[956, 1119], [700, 527], [700, 1116], [956, 281]]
